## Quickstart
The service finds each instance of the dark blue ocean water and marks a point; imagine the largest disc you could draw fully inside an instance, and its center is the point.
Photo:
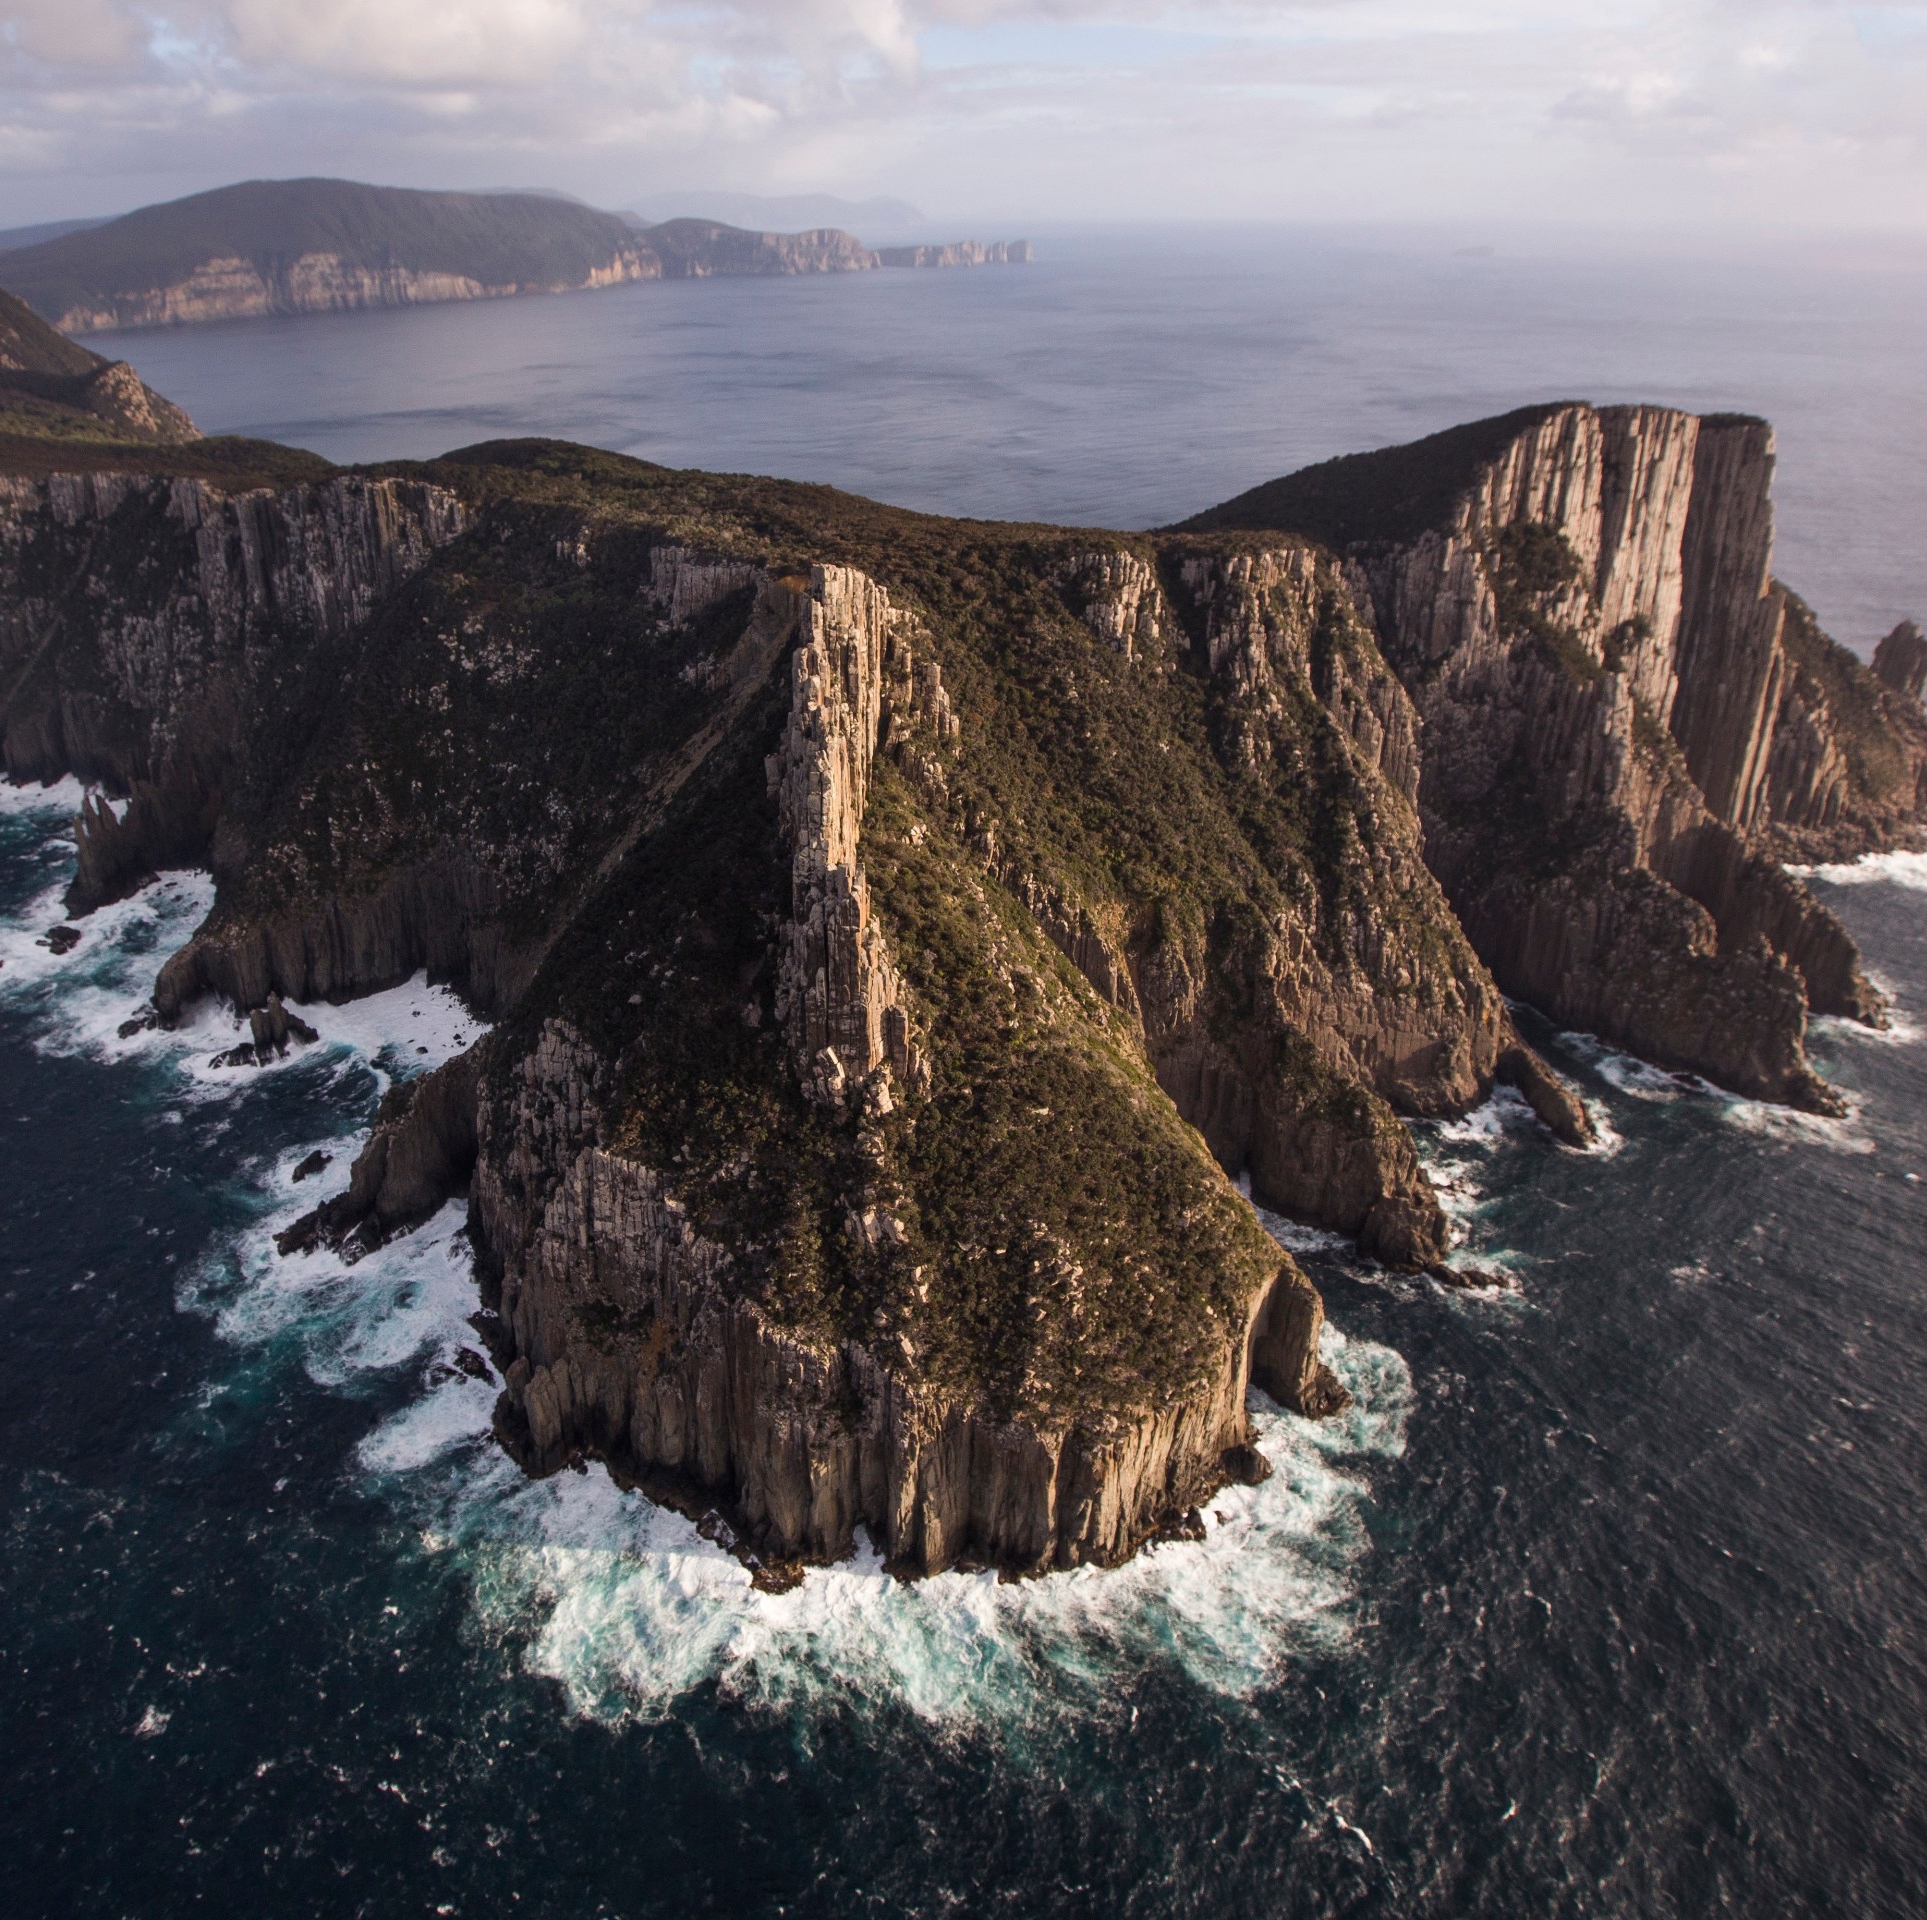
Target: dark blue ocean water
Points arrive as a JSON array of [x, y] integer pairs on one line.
[[1607, 1599]]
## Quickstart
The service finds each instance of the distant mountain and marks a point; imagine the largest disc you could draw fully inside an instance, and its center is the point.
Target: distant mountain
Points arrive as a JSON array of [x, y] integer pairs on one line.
[[12, 237], [52, 389], [309, 246], [304, 246], [876, 220]]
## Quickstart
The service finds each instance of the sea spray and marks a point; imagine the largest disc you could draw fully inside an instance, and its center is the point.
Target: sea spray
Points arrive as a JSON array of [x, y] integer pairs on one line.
[[1895, 869], [627, 1607]]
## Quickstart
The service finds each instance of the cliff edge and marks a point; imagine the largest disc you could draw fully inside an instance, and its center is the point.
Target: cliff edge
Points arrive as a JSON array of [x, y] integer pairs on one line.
[[1629, 723], [902, 933]]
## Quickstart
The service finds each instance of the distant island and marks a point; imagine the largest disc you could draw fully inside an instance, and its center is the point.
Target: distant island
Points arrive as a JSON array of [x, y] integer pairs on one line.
[[320, 246], [902, 935]]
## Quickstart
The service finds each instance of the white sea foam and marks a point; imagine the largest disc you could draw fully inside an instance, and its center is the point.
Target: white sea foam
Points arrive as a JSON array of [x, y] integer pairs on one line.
[[1293, 1235], [1899, 869], [628, 1608], [1646, 1082], [61, 800], [1901, 1030], [1505, 1114], [1842, 1135], [624, 1604], [1627, 1073], [86, 995]]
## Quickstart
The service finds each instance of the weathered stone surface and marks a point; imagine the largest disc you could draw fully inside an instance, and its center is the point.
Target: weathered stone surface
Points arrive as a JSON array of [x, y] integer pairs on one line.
[[634, 1338], [1117, 596], [967, 874], [837, 993], [421, 1151], [1901, 660], [1593, 641]]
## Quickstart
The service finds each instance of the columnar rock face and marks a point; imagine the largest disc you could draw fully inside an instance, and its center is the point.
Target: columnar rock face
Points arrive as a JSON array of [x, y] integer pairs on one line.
[[1625, 719], [233, 288], [958, 253], [1731, 665], [838, 995], [902, 934], [686, 1386], [630, 1332], [177, 646], [1354, 1005], [1120, 600], [1901, 660]]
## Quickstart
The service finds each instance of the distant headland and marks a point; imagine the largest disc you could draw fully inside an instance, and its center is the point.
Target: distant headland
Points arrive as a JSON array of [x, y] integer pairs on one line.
[[318, 246]]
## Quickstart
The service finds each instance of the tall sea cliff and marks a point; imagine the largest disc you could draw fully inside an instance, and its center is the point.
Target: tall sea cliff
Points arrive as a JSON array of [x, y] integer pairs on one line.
[[901, 932]]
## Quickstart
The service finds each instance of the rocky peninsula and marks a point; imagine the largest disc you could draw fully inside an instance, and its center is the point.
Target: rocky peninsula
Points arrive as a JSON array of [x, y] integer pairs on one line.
[[323, 246], [902, 933]]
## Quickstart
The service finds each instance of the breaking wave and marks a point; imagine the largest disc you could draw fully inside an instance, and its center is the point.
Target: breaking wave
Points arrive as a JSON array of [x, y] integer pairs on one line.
[[628, 1608], [1901, 869], [625, 1606]]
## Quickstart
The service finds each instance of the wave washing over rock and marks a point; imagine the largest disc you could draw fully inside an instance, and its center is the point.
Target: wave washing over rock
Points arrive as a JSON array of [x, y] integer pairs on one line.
[[630, 1607]]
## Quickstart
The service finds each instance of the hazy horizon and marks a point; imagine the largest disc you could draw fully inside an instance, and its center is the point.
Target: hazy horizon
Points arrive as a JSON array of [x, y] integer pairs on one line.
[[1675, 122]]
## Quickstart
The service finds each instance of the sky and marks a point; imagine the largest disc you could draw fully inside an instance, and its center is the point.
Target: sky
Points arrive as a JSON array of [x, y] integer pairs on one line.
[[1654, 116]]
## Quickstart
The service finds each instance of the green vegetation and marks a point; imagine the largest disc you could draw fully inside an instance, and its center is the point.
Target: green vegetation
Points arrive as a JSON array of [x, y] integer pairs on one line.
[[1530, 564], [52, 391], [1039, 1225]]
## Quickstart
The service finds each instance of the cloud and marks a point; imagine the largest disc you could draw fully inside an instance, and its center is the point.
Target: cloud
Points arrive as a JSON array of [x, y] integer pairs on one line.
[[1626, 110]]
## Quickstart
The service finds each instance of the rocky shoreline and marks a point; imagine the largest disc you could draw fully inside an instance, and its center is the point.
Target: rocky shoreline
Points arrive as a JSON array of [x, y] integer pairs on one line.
[[901, 933]]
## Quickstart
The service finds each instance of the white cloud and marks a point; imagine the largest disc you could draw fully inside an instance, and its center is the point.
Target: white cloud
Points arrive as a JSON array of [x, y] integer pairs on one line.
[[1620, 110]]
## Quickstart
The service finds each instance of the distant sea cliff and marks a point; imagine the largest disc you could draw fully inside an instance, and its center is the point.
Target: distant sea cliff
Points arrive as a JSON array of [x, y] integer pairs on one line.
[[319, 246]]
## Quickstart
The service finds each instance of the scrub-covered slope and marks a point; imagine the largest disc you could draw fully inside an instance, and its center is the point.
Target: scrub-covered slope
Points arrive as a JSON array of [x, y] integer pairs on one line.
[[900, 931], [53, 390]]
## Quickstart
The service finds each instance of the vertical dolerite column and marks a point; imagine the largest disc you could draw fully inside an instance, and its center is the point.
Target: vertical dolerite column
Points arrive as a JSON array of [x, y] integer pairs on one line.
[[836, 982], [1731, 666]]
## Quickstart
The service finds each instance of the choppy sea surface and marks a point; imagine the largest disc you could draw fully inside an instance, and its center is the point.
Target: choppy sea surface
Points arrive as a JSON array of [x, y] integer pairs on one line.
[[1608, 1597]]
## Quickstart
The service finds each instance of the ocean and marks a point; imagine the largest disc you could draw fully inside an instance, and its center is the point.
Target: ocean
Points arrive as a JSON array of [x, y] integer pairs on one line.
[[1607, 1597], [1131, 379]]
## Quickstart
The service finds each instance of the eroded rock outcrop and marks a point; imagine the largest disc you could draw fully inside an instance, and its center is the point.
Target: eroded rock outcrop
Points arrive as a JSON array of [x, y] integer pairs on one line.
[[901, 935], [1901, 660], [837, 993], [630, 1332], [1627, 722], [1361, 998], [635, 1337], [145, 627]]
